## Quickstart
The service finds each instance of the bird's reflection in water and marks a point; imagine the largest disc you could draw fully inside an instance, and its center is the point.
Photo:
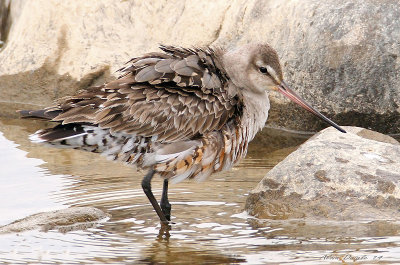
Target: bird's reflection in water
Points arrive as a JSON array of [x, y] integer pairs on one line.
[[167, 250]]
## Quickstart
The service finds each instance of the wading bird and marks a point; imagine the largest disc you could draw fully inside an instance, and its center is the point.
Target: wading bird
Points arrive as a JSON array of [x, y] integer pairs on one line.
[[179, 113]]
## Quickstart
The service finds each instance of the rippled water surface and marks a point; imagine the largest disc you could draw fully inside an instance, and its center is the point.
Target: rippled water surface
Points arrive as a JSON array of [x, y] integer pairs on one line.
[[210, 224]]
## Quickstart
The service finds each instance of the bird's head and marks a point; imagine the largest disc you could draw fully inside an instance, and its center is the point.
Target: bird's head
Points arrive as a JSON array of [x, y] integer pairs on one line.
[[256, 67]]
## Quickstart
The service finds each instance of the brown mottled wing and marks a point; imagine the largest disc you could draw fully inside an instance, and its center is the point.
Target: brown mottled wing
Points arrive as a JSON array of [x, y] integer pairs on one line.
[[174, 95]]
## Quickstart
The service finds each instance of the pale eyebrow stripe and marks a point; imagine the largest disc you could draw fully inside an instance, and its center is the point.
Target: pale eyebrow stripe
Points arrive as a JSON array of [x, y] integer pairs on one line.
[[272, 72]]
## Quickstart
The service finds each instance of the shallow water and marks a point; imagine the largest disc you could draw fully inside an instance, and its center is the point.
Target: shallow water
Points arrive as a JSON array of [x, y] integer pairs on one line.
[[210, 224]]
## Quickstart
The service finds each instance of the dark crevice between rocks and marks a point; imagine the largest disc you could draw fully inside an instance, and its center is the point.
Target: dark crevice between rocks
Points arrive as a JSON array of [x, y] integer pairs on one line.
[[292, 117], [272, 139], [5, 21], [387, 123]]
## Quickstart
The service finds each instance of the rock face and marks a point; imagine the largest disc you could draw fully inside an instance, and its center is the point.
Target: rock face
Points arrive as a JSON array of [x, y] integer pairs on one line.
[[333, 175], [74, 218], [56, 48], [341, 56]]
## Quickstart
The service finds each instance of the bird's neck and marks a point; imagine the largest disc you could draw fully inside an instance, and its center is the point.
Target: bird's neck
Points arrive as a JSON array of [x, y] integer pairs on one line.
[[255, 111]]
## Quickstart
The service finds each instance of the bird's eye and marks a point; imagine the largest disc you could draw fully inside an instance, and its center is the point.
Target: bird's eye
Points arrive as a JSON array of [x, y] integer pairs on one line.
[[263, 70]]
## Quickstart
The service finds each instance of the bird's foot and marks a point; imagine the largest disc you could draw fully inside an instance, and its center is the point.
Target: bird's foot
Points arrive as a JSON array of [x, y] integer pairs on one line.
[[164, 234]]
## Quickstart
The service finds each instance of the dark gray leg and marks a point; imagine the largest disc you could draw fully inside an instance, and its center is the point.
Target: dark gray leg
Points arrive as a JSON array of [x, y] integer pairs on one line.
[[165, 205], [146, 185]]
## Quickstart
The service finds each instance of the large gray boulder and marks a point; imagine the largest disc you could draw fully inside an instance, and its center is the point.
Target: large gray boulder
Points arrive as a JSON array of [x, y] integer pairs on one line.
[[336, 176], [341, 55]]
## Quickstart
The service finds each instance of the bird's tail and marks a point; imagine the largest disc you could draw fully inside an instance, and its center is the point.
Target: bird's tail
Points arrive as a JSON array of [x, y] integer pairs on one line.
[[43, 114]]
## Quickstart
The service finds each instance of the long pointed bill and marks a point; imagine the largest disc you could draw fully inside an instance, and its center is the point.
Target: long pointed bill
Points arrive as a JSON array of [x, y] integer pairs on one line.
[[285, 90]]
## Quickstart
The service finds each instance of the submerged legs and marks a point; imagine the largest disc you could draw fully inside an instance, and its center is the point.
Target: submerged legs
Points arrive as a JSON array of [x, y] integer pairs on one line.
[[166, 211]]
